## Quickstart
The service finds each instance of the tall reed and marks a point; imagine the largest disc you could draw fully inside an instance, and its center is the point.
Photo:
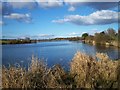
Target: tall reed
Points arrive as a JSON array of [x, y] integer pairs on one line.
[[85, 72]]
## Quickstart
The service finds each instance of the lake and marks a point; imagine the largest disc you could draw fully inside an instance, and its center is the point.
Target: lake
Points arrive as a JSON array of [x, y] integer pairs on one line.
[[55, 52]]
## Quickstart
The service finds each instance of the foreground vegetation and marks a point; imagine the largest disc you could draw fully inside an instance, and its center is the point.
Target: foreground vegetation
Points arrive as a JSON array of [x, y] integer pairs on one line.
[[85, 72]]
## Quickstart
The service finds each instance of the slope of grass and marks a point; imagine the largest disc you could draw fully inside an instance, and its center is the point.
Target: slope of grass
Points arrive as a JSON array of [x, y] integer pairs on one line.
[[85, 72]]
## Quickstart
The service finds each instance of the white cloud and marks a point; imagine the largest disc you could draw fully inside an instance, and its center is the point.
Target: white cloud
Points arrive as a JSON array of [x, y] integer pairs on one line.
[[8, 6], [49, 3], [1, 23], [61, 21], [62, 0], [71, 8], [97, 18], [45, 35], [19, 17], [40, 36], [96, 5], [0, 8], [73, 4], [22, 4], [93, 31], [73, 34], [90, 1]]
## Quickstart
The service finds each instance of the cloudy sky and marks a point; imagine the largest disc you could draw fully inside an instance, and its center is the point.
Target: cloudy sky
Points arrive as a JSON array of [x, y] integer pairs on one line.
[[56, 18]]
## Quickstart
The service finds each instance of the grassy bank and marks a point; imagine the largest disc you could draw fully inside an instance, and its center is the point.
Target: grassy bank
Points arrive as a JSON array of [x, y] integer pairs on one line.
[[85, 72]]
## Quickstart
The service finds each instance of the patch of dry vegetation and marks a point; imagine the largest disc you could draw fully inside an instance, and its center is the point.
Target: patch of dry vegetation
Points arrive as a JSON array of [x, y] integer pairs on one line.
[[85, 72], [90, 73]]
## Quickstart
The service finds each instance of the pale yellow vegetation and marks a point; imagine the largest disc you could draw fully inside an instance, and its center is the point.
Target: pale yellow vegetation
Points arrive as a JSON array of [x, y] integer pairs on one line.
[[85, 72]]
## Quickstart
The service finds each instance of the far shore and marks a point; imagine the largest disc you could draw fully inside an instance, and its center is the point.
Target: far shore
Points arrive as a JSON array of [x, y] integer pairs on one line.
[[23, 41], [107, 44], [27, 41]]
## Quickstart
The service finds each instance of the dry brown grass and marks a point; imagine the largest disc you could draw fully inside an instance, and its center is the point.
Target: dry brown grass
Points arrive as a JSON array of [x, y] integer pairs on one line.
[[85, 72], [90, 73]]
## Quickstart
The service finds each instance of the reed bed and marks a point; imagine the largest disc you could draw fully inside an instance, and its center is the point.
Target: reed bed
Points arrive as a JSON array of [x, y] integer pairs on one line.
[[85, 72]]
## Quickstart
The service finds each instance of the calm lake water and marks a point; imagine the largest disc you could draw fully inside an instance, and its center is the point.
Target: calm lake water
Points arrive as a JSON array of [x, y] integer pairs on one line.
[[56, 52]]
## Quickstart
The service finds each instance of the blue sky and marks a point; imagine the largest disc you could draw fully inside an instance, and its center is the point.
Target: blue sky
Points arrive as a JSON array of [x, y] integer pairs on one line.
[[56, 19]]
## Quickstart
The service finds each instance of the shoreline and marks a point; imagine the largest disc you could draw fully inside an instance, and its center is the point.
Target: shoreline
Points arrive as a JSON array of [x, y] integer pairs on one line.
[[106, 44], [83, 41], [31, 42]]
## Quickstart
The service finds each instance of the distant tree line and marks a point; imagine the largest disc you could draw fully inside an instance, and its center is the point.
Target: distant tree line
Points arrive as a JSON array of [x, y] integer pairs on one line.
[[17, 41], [110, 36]]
